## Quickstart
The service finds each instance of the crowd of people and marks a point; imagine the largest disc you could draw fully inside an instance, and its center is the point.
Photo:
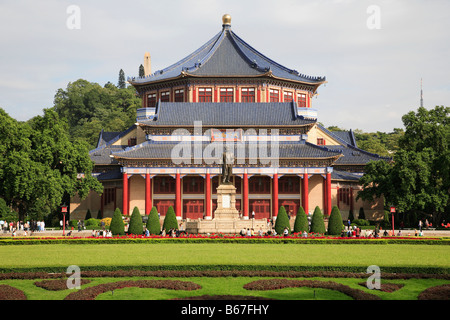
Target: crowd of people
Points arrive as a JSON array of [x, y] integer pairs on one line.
[[27, 227]]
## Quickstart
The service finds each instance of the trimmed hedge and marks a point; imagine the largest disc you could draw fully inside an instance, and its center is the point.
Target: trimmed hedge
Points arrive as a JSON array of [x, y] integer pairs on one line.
[[153, 224], [170, 221], [189, 270], [282, 221], [335, 225], [136, 225], [317, 223], [301, 221], [117, 226]]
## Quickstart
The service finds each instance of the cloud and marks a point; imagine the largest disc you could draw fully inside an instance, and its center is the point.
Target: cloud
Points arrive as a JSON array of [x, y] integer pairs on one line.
[[366, 70]]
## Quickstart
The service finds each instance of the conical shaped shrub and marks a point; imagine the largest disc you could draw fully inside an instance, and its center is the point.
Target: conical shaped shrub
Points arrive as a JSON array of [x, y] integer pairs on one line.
[[153, 225], [301, 221], [317, 223], [282, 221], [361, 215], [88, 215], [170, 221], [335, 224], [117, 227], [136, 225]]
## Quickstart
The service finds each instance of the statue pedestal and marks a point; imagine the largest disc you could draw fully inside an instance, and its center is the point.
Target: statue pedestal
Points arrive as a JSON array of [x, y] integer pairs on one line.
[[226, 203]]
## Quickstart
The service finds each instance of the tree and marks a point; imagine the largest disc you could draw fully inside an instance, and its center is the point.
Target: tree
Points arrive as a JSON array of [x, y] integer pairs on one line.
[[40, 166], [335, 225], [361, 214], [88, 108], [153, 225], [170, 220], [136, 225], [121, 82], [117, 226], [88, 215], [301, 221], [141, 71], [418, 178], [351, 217], [282, 221], [317, 223]]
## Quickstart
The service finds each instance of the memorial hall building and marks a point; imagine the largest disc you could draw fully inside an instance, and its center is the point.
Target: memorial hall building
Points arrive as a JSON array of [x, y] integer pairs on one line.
[[227, 94]]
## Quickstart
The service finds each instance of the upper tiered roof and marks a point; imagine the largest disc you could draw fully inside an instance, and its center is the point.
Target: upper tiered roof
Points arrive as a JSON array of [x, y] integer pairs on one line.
[[227, 55]]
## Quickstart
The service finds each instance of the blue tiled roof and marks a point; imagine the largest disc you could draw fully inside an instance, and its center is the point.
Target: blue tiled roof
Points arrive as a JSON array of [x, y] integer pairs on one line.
[[287, 150], [227, 114], [354, 155], [344, 175], [227, 55]]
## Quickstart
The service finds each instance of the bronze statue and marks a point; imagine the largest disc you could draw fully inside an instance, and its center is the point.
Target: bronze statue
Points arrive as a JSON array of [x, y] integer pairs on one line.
[[227, 166]]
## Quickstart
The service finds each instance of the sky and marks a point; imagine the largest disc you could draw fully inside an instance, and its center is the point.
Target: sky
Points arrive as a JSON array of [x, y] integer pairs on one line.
[[372, 53]]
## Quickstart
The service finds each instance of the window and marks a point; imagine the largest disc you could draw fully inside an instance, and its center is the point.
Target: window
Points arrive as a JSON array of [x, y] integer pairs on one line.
[[179, 95], [274, 95], [344, 195], [289, 184], [165, 96], [288, 96], [226, 94], [163, 184], [320, 141], [193, 185], [301, 100], [205, 95], [131, 142], [248, 94], [259, 184], [151, 100]]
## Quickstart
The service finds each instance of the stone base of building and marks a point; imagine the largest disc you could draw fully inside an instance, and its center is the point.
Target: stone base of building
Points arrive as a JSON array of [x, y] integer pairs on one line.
[[225, 226]]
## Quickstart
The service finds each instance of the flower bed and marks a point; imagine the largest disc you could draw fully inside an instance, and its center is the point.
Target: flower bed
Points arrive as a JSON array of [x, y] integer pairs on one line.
[[92, 292], [436, 293], [274, 284], [11, 293], [57, 285], [223, 238]]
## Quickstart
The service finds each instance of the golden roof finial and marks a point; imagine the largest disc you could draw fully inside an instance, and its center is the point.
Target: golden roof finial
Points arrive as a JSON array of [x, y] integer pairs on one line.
[[226, 19]]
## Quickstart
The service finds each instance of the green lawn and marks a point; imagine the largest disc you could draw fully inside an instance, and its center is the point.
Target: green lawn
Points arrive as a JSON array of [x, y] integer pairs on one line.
[[230, 286], [26, 256]]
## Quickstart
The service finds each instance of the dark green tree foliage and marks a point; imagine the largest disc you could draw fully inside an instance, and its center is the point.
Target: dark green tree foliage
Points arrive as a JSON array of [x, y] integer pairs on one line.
[[301, 221], [351, 217], [153, 225], [141, 71], [88, 108], [99, 214], [361, 214], [418, 179], [121, 82], [40, 165], [117, 226], [170, 220], [88, 215], [136, 225], [317, 223], [335, 225], [282, 221]]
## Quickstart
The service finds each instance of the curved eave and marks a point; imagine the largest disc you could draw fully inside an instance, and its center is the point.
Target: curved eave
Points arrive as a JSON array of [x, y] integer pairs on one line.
[[269, 75]]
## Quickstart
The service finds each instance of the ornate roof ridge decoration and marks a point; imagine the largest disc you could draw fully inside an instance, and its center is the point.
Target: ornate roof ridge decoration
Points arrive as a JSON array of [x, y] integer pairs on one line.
[[241, 60]]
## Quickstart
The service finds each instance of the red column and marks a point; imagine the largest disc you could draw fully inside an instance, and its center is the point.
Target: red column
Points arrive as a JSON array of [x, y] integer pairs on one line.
[[238, 98], [148, 194], [208, 196], [305, 193], [178, 195], [337, 196], [328, 188], [275, 195], [258, 95], [125, 194], [245, 204]]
